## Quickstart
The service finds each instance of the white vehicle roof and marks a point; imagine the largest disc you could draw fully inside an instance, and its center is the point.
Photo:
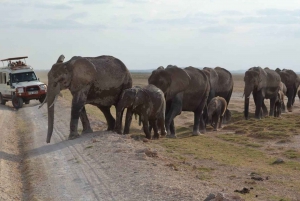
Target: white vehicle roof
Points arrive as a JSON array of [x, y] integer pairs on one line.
[[15, 65]]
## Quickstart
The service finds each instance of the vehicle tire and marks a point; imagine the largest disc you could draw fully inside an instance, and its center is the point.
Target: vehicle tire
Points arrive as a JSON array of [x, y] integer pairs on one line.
[[27, 102], [42, 98], [17, 102], [1, 100]]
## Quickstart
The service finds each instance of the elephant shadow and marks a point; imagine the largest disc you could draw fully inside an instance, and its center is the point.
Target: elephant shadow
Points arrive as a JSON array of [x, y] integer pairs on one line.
[[45, 149]]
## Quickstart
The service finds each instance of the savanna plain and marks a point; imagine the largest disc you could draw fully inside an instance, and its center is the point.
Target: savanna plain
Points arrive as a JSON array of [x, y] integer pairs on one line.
[[260, 155]]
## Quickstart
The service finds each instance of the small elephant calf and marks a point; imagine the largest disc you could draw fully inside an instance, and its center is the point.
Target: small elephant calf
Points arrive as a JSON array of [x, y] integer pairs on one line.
[[149, 103], [278, 104], [216, 109]]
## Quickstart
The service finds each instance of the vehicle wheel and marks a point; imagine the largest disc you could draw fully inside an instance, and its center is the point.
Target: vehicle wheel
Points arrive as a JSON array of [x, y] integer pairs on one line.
[[27, 102], [17, 102], [1, 100], [42, 98]]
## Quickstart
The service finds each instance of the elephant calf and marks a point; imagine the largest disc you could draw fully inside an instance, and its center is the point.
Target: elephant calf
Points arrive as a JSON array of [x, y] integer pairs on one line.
[[278, 104], [149, 103], [216, 109]]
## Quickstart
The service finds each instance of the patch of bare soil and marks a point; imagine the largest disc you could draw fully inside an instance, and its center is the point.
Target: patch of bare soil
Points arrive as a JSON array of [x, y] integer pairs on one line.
[[10, 156], [100, 165]]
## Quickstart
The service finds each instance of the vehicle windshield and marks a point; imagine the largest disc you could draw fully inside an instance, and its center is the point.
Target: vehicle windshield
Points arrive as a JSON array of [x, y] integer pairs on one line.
[[23, 77]]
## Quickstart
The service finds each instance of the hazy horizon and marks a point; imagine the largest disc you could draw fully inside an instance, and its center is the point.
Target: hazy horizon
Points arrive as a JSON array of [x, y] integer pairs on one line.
[[145, 34]]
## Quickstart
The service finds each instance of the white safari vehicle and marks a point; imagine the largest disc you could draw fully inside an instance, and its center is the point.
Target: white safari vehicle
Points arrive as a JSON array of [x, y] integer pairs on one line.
[[19, 84]]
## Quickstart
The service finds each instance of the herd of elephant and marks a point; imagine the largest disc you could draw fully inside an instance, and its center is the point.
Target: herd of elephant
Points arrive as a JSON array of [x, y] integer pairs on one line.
[[105, 81]]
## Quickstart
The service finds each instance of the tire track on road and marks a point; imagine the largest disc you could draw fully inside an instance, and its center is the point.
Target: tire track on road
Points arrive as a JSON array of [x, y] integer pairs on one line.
[[59, 170]]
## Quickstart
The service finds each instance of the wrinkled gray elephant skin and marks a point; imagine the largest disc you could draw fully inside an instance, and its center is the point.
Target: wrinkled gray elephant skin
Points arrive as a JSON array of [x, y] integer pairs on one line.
[[216, 110], [185, 90], [292, 82], [149, 103], [221, 84], [263, 84], [98, 81]]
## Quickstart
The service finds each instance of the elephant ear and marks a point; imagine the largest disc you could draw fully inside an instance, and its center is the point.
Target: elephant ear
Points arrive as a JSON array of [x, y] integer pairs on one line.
[[180, 80], [83, 73]]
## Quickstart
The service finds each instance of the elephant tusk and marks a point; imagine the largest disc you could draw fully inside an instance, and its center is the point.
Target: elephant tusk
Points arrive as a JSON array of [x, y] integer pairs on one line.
[[43, 102], [53, 101]]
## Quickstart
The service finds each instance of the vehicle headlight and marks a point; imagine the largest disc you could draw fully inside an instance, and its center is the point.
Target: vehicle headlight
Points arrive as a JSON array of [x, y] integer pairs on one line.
[[20, 90], [43, 87]]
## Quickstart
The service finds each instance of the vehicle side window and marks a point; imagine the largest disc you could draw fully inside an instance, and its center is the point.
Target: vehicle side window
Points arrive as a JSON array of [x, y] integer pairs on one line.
[[4, 78]]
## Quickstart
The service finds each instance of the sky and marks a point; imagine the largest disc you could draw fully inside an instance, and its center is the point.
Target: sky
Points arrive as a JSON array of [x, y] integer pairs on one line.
[[146, 34]]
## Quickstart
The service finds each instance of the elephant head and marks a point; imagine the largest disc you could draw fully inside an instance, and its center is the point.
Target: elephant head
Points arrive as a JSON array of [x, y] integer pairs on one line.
[[142, 98], [252, 82], [171, 80], [126, 101], [212, 107], [73, 75]]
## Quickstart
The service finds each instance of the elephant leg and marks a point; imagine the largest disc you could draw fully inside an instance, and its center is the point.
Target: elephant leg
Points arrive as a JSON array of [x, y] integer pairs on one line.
[[264, 109], [109, 118], [220, 122], [216, 121], [196, 123], [161, 126], [283, 106], [128, 120], [146, 127], [205, 116], [175, 109], [227, 115], [258, 99], [202, 125], [201, 111], [289, 104], [272, 106], [85, 122], [153, 124], [77, 106]]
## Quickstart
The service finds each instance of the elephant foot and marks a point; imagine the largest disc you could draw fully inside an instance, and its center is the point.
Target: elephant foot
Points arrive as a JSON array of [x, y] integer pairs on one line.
[[164, 133], [155, 137], [171, 136], [290, 109], [118, 131], [73, 136], [89, 130], [197, 133], [202, 132]]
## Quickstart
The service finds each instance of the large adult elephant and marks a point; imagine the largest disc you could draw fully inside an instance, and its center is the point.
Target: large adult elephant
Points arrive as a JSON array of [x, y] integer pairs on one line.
[[292, 82], [221, 84], [185, 90], [263, 84], [98, 81]]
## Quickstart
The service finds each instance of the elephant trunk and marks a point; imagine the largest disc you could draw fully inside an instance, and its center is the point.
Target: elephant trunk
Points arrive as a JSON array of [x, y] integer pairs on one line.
[[52, 94], [119, 117], [247, 92]]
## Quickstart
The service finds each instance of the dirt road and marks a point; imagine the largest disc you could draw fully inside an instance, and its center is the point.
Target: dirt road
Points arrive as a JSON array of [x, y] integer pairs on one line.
[[96, 166]]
